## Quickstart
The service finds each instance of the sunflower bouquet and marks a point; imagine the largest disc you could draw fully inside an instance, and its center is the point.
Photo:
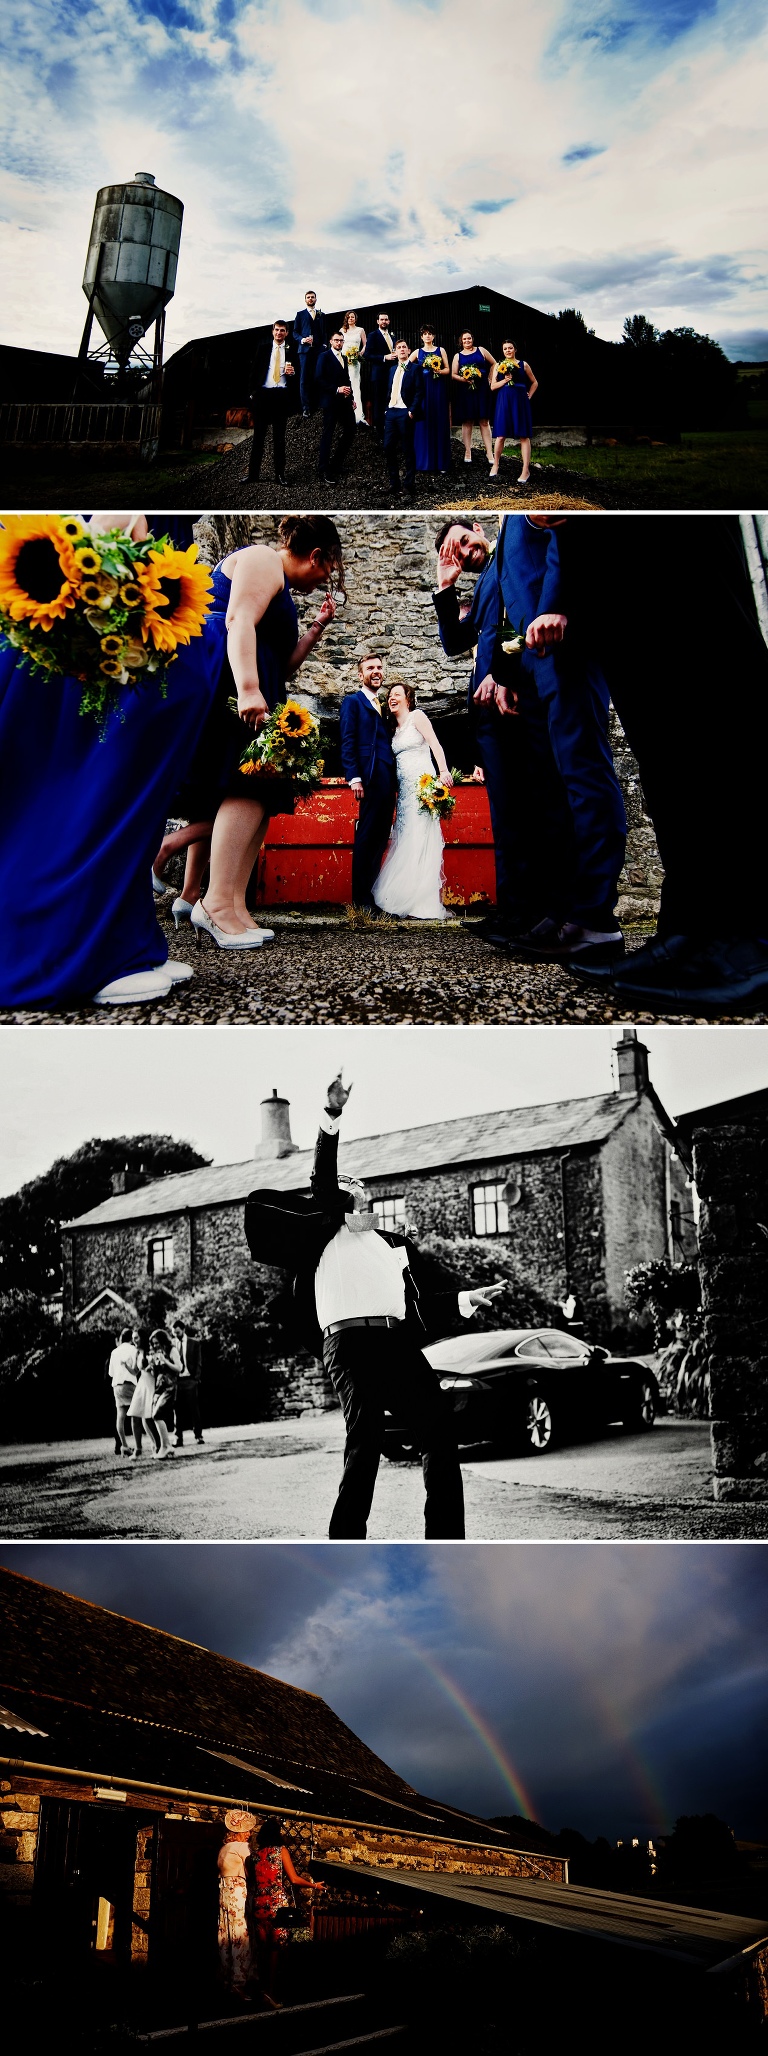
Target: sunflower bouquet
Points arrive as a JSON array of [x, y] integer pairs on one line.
[[434, 363], [435, 797], [352, 354], [287, 747], [107, 611], [471, 373], [508, 364]]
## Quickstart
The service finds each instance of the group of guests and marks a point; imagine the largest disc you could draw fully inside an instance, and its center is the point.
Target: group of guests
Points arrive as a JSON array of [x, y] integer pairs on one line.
[[156, 1389], [257, 1876], [409, 397]]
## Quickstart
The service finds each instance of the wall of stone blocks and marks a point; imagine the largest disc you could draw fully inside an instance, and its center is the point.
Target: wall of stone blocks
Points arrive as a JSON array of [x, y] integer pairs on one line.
[[390, 565], [731, 1170], [19, 1823], [439, 1203]]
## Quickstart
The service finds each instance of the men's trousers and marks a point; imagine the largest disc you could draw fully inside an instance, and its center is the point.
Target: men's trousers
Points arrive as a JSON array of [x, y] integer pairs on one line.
[[372, 828], [376, 1368], [576, 701], [187, 1408], [533, 838], [379, 376], [269, 406], [306, 376], [336, 413], [398, 443]]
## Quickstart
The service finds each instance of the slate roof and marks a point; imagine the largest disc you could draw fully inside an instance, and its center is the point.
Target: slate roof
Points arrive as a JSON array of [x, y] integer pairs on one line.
[[90, 1691], [472, 1139]]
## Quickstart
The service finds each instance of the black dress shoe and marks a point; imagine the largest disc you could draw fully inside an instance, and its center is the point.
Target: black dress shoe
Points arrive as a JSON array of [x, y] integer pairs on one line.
[[280, 478], [324, 478], [688, 974], [569, 944]]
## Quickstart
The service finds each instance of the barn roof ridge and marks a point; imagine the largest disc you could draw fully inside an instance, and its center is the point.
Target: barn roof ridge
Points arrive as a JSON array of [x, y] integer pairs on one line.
[[585, 1120]]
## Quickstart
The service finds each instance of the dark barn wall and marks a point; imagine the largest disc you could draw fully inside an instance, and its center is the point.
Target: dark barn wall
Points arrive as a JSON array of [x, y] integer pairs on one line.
[[731, 1169]]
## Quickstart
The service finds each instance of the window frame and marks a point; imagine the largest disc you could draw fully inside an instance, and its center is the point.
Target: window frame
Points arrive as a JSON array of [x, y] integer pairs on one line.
[[499, 1204]]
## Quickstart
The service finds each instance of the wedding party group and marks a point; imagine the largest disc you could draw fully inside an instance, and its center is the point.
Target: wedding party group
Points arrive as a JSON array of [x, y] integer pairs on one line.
[[167, 696], [409, 397]]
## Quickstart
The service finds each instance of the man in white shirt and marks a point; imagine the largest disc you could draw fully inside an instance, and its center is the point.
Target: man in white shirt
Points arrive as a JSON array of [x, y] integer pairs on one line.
[[403, 404], [123, 1373], [366, 1293], [275, 395]]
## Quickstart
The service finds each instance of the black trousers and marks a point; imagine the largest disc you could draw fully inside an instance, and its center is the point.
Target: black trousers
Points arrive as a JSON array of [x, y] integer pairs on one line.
[[379, 377], [187, 1409], [336, 414], [697, 721], [269, 407], [398, 443], [376, 1367], [372, 831], [533, 840]]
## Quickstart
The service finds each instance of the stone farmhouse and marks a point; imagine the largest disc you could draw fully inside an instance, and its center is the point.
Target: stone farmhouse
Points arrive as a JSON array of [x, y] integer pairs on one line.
[[579, 1190]]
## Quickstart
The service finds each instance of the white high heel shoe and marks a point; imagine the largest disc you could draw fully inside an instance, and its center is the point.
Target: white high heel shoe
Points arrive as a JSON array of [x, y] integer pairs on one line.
[[134, 987], [159, 886], [201, 921], [182, 911]]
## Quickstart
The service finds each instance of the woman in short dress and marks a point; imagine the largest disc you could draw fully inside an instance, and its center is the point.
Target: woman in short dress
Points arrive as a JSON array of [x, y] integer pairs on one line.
[[227, 811], [432, 430], [513, 382], [470, 397], [271, 1870], [353, 348], [153, 1397]]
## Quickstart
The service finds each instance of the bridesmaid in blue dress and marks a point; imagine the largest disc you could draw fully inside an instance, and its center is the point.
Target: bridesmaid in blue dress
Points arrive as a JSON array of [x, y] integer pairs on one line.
[[514, 389], [229, 812], [81, 813], [470, 398], [432, 429]]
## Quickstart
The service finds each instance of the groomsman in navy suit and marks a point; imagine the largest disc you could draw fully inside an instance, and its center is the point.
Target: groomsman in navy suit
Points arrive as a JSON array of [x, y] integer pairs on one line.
[[405, 384], [369, 767], [379, 357], [274, 396], [533, 838], [337, 402], [309, 335]]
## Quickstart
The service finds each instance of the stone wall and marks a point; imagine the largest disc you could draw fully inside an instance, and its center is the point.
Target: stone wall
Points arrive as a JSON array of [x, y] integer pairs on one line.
[[731, 1170], [390, 569]]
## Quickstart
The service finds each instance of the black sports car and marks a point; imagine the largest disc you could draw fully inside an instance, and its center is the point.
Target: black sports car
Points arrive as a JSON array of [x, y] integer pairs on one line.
[[530, 1388]]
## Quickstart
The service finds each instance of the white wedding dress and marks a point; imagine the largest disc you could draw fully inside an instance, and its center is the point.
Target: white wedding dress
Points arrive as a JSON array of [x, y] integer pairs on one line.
[[412, 866], [353, 340]]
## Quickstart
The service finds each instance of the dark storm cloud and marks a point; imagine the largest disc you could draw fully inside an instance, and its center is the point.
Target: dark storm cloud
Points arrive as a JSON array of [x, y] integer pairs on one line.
[[610, 1688]]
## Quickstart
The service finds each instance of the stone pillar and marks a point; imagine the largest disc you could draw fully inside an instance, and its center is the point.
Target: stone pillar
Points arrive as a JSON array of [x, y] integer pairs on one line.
[[731, 1174]]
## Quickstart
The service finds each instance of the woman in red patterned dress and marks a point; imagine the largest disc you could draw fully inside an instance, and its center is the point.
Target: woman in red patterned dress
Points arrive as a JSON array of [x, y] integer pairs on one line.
[[272, 1870]]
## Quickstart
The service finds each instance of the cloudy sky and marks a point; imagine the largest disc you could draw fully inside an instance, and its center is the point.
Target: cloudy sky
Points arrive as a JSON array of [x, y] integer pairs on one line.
[[608, 1688], [600, 153], [59, 1087]]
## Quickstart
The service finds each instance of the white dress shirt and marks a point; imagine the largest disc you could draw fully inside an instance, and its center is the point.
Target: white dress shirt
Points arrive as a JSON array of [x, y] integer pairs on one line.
[[396, 394], [360, 1275], [122, 1364], [270, 380], [376, 704]]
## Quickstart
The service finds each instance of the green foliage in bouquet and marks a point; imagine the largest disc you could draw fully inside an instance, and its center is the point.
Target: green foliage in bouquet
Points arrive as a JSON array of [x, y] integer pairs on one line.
[[288, 746]]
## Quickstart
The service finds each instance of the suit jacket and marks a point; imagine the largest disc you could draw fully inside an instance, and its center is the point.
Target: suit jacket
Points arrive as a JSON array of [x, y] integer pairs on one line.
[[329, 375], [305, 326], [412, 389], [480, 626], [260, 363], [376, 350], [364, 740], [194, 1355], [292, 1229]]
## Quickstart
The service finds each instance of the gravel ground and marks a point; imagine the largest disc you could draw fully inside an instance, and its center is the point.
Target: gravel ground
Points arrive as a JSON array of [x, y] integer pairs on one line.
[[327, 969], [277, 1481]]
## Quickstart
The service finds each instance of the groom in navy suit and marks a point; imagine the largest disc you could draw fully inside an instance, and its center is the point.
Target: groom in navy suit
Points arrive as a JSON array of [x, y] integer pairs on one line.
[[379, 354], [310, 336], [404, 402], [369, 767]]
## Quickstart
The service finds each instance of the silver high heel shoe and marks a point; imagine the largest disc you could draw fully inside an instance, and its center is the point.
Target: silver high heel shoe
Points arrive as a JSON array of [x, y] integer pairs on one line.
[[202, 922], [159, 886], [181, 911]]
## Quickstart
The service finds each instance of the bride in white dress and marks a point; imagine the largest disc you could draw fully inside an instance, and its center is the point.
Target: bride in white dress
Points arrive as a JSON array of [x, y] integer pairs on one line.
[[354, 340], [411, 872]]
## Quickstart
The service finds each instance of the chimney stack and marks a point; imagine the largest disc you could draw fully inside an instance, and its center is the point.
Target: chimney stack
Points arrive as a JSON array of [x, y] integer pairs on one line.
[[276, 1138], [631, 1063]]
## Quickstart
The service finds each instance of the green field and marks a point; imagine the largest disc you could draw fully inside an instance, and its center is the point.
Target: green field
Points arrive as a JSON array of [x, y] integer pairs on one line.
[[703, 470]]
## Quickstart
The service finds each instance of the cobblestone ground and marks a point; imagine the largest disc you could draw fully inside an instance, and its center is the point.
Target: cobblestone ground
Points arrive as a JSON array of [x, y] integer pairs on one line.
[[277, 1481], [326, 969]]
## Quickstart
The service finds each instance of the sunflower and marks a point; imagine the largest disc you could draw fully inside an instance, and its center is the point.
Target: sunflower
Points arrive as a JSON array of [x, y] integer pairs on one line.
[[90, 592], [131, 593], [112, 667], [73, 529], [295, 721], [89, 561], [111, 645], [38, 570], [173, 580]]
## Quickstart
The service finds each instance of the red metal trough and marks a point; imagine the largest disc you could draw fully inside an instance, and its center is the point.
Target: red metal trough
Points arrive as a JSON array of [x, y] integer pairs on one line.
[[307, 856]]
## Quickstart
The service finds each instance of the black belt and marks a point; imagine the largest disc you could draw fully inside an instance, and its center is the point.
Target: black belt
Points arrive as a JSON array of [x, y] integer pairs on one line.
[[363, 1321]]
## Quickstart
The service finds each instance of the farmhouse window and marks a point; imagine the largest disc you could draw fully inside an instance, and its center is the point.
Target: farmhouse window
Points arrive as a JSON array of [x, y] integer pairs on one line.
[[160, 1255], [490, 1212], [390, 1212]]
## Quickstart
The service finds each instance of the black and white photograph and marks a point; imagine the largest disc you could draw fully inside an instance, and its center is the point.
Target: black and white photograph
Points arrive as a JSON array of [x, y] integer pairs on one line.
[[501, 1283]]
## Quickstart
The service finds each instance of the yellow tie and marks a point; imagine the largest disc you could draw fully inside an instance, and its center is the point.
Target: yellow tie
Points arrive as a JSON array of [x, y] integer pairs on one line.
[[276, 372]]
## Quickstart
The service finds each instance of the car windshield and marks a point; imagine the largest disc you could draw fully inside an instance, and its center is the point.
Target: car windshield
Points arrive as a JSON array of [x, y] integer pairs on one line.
[[552, 1342], [461, 1350]]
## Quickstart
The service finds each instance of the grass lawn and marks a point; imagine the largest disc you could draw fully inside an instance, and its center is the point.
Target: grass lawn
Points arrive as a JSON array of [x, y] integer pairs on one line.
[[703, 470], [91, 485]]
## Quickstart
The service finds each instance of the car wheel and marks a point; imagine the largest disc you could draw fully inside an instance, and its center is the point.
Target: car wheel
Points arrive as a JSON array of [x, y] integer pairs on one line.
[[641, 1411], [539, 1425]]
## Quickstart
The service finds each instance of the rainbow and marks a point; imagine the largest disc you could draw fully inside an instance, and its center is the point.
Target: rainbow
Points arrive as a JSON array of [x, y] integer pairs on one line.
[[478, 1726]]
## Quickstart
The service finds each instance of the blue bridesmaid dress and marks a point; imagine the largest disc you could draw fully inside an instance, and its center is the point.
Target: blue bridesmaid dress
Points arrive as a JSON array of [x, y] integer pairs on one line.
[[471, 402], [432, 433], [82, 815], [513, 408], [214, 774]]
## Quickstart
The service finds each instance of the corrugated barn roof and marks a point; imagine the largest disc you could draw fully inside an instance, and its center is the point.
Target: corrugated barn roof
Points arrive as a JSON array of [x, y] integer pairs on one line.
[[472, 1139]]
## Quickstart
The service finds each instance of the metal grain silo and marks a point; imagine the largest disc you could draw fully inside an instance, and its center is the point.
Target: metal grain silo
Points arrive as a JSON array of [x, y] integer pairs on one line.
[[130, 271]]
